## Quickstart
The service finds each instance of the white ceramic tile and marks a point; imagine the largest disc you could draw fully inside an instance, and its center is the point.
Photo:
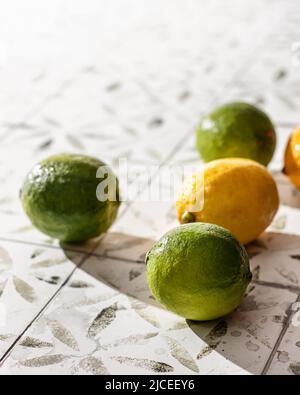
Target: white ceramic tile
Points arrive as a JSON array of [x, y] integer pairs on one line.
[[138, 95], [29, 278], [286, 359], [248, 336], [93, 328], [275, 259]]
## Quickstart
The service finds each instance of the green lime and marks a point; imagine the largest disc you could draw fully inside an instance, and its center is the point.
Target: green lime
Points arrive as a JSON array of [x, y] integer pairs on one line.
[[60, 197], [198, 271], [236, 130]]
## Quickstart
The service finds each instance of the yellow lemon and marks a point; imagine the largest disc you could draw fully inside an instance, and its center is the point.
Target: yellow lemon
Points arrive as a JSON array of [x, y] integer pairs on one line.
[[237, 194], [292, 158]]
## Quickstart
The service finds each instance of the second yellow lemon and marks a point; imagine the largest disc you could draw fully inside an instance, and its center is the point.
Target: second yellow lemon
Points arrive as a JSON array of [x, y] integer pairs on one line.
[[237, 194]]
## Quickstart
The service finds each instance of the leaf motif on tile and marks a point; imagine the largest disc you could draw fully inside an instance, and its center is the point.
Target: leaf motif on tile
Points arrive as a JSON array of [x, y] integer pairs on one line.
[[24, 229], [181, 354], [130, 131], [178, 326], [103, 320], [156, 122], [47, 360], [184, 96], [297, 257], [25, 290], [286, 100], [80, 284], [52, 122], [283, 356], [288, 275], [63, 335], [280, 74], [48, 263], [207, 350], [250, 304], [143, 313], [6, 200], [153, 366], [133, 274], [280, 222], [134, 339], [114, 86], [75, 142], [37, 253], [93, 366], [153, 154], [295, 368], [2, 287], [45, 145], [92, 301], [53, 280], [31, 342], [5, 259], [213, 339], [3, 338]]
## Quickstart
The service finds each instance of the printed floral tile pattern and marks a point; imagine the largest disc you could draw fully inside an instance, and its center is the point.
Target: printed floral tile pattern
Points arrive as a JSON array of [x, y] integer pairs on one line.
[[139, 98], [29, 277], [286, 360], [80, 332]]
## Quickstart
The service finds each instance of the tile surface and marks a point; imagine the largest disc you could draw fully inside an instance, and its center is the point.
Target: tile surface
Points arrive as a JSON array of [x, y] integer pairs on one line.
[[29, 277], [129, 80]]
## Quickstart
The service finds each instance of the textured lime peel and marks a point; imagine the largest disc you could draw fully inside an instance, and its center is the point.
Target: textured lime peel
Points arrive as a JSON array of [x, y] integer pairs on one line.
[[198, 271], [236, 130], [59, 197]]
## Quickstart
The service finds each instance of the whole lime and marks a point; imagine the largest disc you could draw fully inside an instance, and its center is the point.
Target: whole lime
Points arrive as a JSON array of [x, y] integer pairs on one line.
[[198, 271], [60, 197], [236, 130]]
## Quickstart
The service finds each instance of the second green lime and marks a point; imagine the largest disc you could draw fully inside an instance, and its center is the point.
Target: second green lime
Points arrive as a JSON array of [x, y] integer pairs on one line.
[[60, 197], [236, 130], [198, 271]]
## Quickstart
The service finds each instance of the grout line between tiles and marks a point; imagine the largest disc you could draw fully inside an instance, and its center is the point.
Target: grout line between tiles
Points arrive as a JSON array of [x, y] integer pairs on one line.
[[10, 349], [279, 340], [82, 252], [40, 313], [62, 88], [86, 256], [92, 253]]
